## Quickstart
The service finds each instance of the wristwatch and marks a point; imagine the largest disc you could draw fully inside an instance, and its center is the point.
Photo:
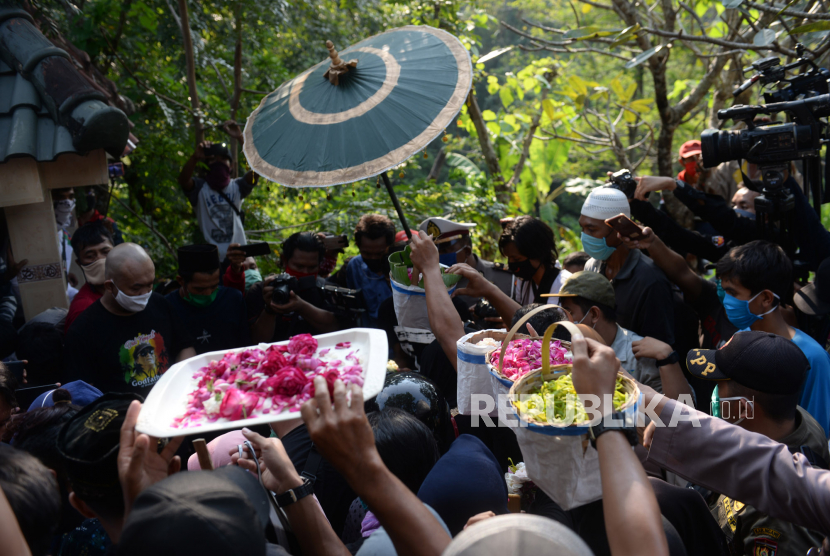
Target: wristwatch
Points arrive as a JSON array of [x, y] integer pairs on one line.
[[617, 421], [679, 183], [292, 495], [670, 360]]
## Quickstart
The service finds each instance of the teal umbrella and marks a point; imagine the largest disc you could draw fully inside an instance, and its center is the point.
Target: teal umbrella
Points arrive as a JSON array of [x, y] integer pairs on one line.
[[362, 111]]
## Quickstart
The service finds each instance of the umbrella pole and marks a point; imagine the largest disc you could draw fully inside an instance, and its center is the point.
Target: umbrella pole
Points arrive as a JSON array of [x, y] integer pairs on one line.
[[397, 204]]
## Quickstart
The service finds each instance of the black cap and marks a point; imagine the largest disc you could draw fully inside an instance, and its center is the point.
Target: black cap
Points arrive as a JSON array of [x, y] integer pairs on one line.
[[218, 149], [199, 512], [198, 258], [88, 445], [814, 298], [761, 361]]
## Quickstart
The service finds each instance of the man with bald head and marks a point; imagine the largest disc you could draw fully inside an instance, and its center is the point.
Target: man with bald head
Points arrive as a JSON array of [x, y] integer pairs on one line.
[[127, 339]]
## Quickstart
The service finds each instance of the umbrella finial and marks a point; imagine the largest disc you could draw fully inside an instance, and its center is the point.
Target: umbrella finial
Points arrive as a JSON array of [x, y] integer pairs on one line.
[[338, 66]]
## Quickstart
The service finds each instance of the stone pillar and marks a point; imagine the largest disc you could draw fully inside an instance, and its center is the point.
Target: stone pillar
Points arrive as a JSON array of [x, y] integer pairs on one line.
[[33, 236]]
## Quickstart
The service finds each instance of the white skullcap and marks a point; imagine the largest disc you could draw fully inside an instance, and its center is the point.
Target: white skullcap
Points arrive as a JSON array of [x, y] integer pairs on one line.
[[502, 534], [603, 203]]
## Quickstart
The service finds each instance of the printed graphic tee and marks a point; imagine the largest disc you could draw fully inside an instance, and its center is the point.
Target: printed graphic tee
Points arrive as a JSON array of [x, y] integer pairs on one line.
[[124, 353], [218, 221]]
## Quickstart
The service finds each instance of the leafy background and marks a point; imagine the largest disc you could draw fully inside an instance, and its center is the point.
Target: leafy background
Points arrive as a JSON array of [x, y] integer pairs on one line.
[[138, 45]]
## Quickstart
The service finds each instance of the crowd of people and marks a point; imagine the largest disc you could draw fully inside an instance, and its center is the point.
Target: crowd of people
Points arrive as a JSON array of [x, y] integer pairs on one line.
[[718, 325]]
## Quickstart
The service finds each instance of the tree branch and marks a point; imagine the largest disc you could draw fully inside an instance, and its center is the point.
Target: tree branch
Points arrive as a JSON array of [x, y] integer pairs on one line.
[[141, 83], [149, 225], [719, 42], [772, 9], [261, 93], [272, 230], [534, 124], [198, 128]]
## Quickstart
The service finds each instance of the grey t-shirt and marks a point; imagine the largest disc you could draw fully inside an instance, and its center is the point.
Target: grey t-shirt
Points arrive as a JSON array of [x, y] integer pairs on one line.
[[218, 221]]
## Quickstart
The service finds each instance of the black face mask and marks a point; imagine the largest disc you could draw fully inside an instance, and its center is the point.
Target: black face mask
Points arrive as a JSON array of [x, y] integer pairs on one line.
[[377, 265], [522, 269]]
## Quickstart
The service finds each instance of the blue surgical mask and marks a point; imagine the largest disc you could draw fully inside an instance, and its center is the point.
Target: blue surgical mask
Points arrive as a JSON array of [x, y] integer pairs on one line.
[[721, 293], [745, 213], [597, 248], [738, 312], [449, 259], [252, 276]]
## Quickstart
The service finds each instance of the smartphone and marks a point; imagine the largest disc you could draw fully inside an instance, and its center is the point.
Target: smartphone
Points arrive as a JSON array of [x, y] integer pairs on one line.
[[625, 227], [332, 243], [25, 396], [16, 367], [256, 249]]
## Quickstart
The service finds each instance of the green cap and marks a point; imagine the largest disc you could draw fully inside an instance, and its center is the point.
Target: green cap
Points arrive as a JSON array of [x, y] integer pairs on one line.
[[592, 286]]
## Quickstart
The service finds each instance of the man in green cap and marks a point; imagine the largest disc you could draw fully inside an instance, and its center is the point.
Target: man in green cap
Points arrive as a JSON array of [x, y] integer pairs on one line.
[[589, 298]]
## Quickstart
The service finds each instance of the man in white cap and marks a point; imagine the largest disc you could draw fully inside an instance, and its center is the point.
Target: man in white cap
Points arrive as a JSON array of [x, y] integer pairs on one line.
[[645, 303], [456, 246]]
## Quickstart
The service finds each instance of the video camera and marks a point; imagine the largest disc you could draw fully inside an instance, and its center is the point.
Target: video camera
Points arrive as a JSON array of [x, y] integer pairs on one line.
[[774, 146], [344, 299], [623, 181]]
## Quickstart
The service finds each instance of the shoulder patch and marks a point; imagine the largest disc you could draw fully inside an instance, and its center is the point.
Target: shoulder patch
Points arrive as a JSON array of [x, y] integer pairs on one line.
[[766, 532], [763, 547], [718, 241]]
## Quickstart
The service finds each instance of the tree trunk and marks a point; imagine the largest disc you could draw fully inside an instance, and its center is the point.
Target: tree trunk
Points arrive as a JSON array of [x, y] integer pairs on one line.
[[198, 129], [665, 154], [237, 84], [437, 165], [534, 125], [490, 156]]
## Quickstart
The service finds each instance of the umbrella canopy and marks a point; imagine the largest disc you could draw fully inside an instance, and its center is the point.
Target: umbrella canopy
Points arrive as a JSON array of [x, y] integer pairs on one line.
[[356, 115]]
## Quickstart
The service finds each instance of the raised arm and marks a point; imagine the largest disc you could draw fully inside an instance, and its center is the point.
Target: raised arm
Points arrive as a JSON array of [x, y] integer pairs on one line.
[[628, 501], [743, 465], [673, 265], [186, 175], [443, 318], [309, 523], [344, 437]]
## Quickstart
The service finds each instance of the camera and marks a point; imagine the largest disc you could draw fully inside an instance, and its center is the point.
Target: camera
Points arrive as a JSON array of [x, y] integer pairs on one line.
[[774, 146], [623, 181], [284, 284], [771, 143], [344, 299], [483, 310]]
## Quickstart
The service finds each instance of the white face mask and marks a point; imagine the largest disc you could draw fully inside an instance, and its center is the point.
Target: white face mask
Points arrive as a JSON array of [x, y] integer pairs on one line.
[[63, 212], [593, 326], [131, 303]]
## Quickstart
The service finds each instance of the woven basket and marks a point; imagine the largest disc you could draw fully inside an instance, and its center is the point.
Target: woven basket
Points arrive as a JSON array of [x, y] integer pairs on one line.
[[535, 379], [496, 370]]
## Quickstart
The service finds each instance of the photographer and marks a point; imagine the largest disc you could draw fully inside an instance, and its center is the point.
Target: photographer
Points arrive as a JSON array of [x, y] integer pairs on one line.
[[215, 196], [809, 234], [289, 304]]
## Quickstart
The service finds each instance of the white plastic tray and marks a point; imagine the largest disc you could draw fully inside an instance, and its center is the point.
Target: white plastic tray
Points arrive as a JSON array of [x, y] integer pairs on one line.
[[168, 398]]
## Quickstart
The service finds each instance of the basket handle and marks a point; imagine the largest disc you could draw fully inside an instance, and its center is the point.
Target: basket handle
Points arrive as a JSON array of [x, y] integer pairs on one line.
[[569, 326], [516, 327]]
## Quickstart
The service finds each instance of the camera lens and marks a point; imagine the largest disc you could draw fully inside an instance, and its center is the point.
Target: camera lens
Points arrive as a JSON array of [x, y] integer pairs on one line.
[[720, 146]]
